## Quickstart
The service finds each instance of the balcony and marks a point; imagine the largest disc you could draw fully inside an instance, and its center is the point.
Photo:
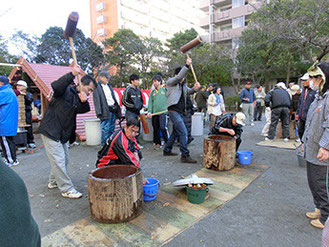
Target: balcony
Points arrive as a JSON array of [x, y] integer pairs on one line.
[[228, 34], [227, 15], [101, 19], [204, 4], [100, 6], [102, 32]]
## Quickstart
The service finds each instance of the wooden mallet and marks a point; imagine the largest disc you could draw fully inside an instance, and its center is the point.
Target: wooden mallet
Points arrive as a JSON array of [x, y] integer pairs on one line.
[[69, 32], [189, 46]]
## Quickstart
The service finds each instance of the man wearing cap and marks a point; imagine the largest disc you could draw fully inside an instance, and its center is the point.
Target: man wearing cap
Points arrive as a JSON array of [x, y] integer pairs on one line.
[[8, 121], [305, 100], [106, 105], [21, 86], [230, 124], [248, 99], [280, 101]]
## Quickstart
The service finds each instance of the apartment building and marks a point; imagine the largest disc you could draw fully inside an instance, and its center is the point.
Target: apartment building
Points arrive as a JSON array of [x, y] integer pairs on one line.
[[225, 20], [148, 18]]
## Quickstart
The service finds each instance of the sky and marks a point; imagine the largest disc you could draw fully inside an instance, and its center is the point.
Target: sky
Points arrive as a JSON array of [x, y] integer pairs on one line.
[[36, 16]]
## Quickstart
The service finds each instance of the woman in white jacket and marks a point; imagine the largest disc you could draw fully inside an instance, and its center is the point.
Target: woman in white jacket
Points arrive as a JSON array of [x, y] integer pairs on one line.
[[216, 107]]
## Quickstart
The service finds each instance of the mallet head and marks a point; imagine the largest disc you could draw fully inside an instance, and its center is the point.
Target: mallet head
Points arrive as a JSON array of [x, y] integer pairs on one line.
[[191, 44], [71, 25]]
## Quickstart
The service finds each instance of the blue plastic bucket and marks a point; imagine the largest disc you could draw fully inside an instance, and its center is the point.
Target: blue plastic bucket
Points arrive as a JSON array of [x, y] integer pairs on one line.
[[150, 190], [244, 157]]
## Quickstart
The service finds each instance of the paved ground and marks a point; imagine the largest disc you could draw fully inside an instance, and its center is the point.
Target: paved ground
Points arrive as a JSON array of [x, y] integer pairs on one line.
[[270, 212]]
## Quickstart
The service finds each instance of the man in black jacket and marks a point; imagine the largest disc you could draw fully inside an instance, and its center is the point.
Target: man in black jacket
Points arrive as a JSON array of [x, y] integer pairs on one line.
[[59, 123], [230, 124], [106, 105], [279, 100], [132, 98], [305, 100]]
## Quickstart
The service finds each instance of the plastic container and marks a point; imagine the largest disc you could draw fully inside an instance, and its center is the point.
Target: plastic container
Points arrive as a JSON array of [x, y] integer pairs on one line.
[[93, 131], [150, 190], [149, 136], [196, 196], [244, 157], [197, 124]]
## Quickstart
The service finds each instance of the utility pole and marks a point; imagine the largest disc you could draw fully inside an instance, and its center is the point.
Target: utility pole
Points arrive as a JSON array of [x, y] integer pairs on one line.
[[211, 21]]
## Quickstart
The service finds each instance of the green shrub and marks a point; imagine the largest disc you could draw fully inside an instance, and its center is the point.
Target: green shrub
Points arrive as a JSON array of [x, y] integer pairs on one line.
[[232, 103]]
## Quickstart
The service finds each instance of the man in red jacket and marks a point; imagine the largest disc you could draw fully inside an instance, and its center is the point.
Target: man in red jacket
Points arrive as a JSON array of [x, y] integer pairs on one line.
[[121, 147]]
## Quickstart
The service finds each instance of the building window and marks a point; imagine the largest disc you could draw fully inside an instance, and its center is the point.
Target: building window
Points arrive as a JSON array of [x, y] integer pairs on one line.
[[238, 22], [237, 3]]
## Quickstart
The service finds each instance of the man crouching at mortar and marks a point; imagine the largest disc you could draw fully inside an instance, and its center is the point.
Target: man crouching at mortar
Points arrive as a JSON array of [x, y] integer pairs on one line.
[[122, 148], [230, 124]]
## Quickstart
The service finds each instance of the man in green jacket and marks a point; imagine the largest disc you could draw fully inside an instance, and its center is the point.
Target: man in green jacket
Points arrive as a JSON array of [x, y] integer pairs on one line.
[[158, 106]]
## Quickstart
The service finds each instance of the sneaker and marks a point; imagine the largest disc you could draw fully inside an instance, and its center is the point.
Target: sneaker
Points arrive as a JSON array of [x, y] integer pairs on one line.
[[73, 194], [297, 140], [140, 146], [187, 159], [317, 223], [267, 139], [52, 185], [15, 163], [32, 145], [286, 140], [252, 124], [169, 153], [156, 147], [314, 215]]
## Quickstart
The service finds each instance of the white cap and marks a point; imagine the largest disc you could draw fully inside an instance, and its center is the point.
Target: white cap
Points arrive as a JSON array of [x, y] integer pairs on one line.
[[240, 118], [305, 77], [294, 89], [282, 85], [21, 83]]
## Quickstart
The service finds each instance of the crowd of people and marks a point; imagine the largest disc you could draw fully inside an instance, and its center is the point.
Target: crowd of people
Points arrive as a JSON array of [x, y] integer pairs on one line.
[[307, 108]]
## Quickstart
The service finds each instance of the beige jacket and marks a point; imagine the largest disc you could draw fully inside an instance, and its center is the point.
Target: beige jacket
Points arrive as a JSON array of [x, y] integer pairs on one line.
[[212, 101]]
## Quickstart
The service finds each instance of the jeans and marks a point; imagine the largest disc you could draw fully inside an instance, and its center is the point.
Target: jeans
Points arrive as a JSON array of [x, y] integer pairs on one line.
[[179, 131], [58, 155], [108, 126], [276, 114]]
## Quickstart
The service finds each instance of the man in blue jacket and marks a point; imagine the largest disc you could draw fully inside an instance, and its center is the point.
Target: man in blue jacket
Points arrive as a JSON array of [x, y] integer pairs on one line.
[[8, 121], [248, 99]]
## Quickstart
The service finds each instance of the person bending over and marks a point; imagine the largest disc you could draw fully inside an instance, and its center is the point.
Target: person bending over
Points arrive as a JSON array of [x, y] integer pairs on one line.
[[230, 124]]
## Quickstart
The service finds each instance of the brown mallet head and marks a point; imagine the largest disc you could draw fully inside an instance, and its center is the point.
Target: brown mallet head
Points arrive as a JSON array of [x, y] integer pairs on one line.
[[71, 25], [191, 44]]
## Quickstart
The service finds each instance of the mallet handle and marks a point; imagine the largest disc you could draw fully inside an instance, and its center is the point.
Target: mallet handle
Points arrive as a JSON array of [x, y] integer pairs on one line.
[[75, 60], [158, 113], [192, 69]]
